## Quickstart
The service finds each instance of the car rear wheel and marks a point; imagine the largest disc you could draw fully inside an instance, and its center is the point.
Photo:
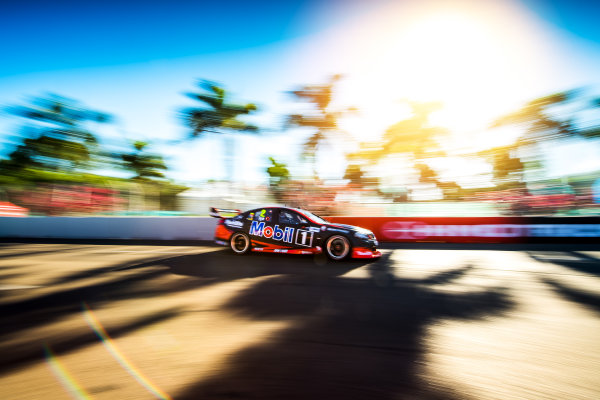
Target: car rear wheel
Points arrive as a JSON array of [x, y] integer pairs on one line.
[[337, 247], [240, 243]]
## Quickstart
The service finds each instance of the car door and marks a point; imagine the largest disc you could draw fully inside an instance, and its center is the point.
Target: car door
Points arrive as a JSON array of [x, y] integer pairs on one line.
[[262, 230], [298, 231]]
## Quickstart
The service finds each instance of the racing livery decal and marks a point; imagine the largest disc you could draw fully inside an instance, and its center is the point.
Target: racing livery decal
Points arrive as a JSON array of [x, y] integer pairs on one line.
[[234, 224], [276, 233], [304, 238]]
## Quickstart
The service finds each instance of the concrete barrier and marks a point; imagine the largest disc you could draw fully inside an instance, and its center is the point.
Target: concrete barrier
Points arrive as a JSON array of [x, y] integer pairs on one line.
[[156, 228], [387, 229]]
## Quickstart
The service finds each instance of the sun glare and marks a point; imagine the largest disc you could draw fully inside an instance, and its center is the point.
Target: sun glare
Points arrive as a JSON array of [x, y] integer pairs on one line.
[[480, 59], [452, 57], [448, 51]]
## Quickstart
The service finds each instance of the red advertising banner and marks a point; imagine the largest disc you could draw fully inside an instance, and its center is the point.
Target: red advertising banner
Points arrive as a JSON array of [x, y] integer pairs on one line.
[[479, 229]]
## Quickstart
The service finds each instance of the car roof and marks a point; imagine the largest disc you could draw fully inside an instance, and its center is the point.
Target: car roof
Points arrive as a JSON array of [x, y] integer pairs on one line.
[[298, 210], [279, 207]]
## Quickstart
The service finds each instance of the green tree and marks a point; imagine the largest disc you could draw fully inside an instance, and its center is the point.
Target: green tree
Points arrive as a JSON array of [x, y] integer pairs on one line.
[[144, 165], [56, 135], [321, 118], [218, 116], [279, 175]]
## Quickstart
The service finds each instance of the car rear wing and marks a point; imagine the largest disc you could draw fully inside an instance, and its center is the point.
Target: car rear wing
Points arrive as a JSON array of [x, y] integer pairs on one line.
[[216, 212]]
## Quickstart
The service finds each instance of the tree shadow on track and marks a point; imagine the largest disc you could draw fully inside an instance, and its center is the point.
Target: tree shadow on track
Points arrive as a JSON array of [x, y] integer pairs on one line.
[[8, 277], [19, 356], [24, 321], [589, 300], [207, 268], [348, 338], [19, 253], [107, 285], [578, 262], [223, 265], [574, 260]]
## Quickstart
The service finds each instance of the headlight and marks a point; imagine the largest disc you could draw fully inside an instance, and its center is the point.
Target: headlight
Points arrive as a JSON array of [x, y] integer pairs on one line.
[[362, 236]]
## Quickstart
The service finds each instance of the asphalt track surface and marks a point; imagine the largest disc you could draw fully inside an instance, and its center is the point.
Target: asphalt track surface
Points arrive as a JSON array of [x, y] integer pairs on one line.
[[116, 321]]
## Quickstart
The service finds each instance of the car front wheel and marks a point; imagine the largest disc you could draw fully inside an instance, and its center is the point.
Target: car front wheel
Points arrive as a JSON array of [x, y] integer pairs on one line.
[[240, 243], [337, 247]]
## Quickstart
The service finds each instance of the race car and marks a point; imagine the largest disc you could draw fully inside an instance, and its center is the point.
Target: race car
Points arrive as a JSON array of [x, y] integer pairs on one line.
[[291, 231]]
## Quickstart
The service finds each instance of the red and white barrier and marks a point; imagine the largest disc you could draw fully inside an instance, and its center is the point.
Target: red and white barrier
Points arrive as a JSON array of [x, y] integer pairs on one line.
[[10, 210], [478, 229]]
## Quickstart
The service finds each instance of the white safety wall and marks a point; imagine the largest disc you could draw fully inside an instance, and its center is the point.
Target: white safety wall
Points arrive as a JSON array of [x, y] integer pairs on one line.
[[161, 228]]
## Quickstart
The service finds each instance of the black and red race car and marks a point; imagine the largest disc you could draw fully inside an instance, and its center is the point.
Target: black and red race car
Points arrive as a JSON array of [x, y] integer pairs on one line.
[[291, 231]]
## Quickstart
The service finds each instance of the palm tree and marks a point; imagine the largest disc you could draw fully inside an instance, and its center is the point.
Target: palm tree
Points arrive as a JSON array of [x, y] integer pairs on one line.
[[58, 137], [506, 165], [414, 137], [218, 116], [322, 118], [591, 131], [538, 120], [143, 164], [539, 124]]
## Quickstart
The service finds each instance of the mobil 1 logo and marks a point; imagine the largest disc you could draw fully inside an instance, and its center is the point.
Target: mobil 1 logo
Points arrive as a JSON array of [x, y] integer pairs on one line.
[[304, 238]]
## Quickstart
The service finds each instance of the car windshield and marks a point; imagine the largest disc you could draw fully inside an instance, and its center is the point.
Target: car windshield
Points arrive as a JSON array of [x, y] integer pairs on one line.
[[314, 217]]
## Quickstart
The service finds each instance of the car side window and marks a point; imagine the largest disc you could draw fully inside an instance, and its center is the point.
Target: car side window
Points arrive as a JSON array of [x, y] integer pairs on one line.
[[265, 214], [290, 218], [302, 219]]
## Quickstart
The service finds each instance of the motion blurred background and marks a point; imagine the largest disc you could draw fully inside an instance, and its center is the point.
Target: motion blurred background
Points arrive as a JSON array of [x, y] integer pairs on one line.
[[343, 107]]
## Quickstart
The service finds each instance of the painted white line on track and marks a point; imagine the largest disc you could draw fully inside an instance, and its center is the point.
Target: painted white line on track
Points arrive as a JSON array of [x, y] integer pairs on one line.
[[15, 287]]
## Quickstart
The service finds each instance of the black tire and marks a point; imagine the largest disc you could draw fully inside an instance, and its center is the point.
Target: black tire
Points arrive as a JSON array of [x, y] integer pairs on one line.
[[337, 247], [239, 243]]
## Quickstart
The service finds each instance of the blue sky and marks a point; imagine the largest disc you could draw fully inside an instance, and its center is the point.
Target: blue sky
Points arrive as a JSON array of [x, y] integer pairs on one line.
[[63, 35], [78, 34], [135, 60]]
